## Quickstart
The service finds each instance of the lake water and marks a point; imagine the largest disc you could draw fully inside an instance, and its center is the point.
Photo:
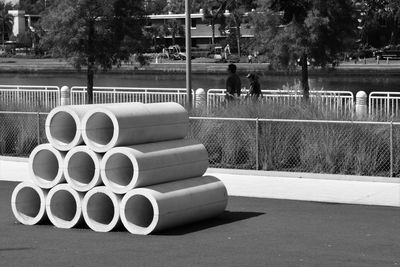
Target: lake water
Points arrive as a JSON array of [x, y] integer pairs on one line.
[[335, 83]]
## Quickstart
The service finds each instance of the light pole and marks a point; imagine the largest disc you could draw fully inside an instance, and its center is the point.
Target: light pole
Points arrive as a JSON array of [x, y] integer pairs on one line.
[[188, 42]]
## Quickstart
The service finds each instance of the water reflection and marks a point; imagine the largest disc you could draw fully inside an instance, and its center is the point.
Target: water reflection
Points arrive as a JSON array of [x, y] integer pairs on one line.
[[206, 81]]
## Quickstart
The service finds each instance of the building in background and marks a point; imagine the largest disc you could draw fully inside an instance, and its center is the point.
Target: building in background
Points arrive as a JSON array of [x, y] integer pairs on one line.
[[201, 30]]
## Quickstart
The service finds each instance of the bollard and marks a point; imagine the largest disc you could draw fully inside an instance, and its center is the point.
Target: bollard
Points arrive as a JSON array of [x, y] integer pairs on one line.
[[361, 104], [65, 96], [200, 98]]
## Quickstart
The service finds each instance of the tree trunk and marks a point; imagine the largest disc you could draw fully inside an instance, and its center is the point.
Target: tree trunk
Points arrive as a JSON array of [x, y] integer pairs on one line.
[[304, 78], [90, 78], [212, 31], [238, 39], [90, 63]]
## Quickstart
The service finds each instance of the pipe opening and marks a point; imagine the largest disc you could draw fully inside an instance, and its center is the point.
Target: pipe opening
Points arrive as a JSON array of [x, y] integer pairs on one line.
[[119, 170], [63, 127], [100, 208], [139, 211], [45, 165], [81, 168], [63, 206], [28, 202], [99, 129]]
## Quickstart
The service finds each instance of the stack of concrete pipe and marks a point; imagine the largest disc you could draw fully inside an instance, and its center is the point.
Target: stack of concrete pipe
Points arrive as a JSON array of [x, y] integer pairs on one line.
[[112, 165]]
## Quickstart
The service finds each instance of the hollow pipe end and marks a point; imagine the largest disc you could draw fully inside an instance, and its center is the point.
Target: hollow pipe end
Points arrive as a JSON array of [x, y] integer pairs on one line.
[[79, 156], [100, 129], [63, 128], [45, 166], [100, 209], [119, 170], [64, 206], [139, 211], [28, 203]]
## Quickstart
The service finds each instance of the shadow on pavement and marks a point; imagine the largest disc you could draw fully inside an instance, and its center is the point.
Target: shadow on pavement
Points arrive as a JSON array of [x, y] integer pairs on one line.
[[225, 218]]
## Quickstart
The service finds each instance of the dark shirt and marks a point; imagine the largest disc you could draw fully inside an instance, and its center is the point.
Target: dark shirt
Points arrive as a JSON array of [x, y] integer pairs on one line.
[[255, 89], [233, 84]]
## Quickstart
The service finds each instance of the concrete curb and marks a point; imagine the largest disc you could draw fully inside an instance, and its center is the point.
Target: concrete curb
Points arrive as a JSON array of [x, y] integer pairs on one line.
[[348, 189]]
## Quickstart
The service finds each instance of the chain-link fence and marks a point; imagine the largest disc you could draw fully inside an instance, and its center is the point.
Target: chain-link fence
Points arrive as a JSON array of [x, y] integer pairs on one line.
[[337, 147], [21, 132], [352, 148]]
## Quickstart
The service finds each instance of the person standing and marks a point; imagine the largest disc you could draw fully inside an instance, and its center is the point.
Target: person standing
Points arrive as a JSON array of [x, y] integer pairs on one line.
[[233, 84], [255, 89]]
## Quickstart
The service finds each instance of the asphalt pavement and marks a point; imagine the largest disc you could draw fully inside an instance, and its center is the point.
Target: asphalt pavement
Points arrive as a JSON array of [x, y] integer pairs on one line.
[[251, 232]]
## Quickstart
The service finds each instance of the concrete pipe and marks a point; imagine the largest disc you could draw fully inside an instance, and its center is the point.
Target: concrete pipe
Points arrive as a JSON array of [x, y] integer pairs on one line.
[[45, 166], [127, 124], [63, 126], [28, 203], [158, 207], [82, 168], [64, 206], [124, 168], [100, 208]]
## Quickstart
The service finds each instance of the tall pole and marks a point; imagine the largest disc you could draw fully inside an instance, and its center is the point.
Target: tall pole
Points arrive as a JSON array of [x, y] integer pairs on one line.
[[188, 42]]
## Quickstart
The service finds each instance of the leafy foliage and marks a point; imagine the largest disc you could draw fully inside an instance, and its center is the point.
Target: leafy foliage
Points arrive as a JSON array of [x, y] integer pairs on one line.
[[93, 33]]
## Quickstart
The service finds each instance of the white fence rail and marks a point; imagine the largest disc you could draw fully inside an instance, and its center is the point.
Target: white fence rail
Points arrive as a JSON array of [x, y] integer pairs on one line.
[[103, 95], [341, 102], [384, 104], [29, 97], [44, 98]]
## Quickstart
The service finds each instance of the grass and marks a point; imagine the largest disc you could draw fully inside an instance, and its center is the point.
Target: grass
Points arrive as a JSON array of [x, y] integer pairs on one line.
[[281, 145], [327, 147]]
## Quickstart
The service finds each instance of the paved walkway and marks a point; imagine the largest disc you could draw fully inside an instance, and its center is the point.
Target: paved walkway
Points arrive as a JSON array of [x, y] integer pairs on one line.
[[251, 232], [277, 185]]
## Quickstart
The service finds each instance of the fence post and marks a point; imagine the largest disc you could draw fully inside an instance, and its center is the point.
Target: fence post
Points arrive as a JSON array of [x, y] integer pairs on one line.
[[65, 96], [257, 140], [361, 104], [391, 148], [38, 127], [200, 96]]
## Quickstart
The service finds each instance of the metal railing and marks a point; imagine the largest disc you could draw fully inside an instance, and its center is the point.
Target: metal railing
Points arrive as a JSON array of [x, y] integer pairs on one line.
[[384, 104], [102, 95], [29, 97], [315, 146], [339, 102]]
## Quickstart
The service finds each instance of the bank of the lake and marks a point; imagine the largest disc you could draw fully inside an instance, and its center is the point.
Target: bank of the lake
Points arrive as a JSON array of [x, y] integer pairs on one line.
[[32, 65]]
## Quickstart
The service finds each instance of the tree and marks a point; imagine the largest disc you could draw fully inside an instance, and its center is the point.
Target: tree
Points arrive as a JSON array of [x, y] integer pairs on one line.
[[93, 33], [214, 13], [235, 19], [379, 22], [153, 33], [173, 27], [237, 11], [178, 6], [311, 31], [32, 6], [6, 20], [155, 6]]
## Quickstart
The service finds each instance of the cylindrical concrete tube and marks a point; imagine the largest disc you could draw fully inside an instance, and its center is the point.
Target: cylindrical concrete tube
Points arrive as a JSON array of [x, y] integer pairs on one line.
[[63, 126], [123, 124], [124, 168], [100, 209], [45, 166], [64, 206], [82, 168], [28, 203], [158, 207]]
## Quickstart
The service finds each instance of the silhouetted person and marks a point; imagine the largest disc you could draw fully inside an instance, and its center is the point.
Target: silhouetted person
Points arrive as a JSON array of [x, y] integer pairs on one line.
[[255, 89], [233, 84]]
